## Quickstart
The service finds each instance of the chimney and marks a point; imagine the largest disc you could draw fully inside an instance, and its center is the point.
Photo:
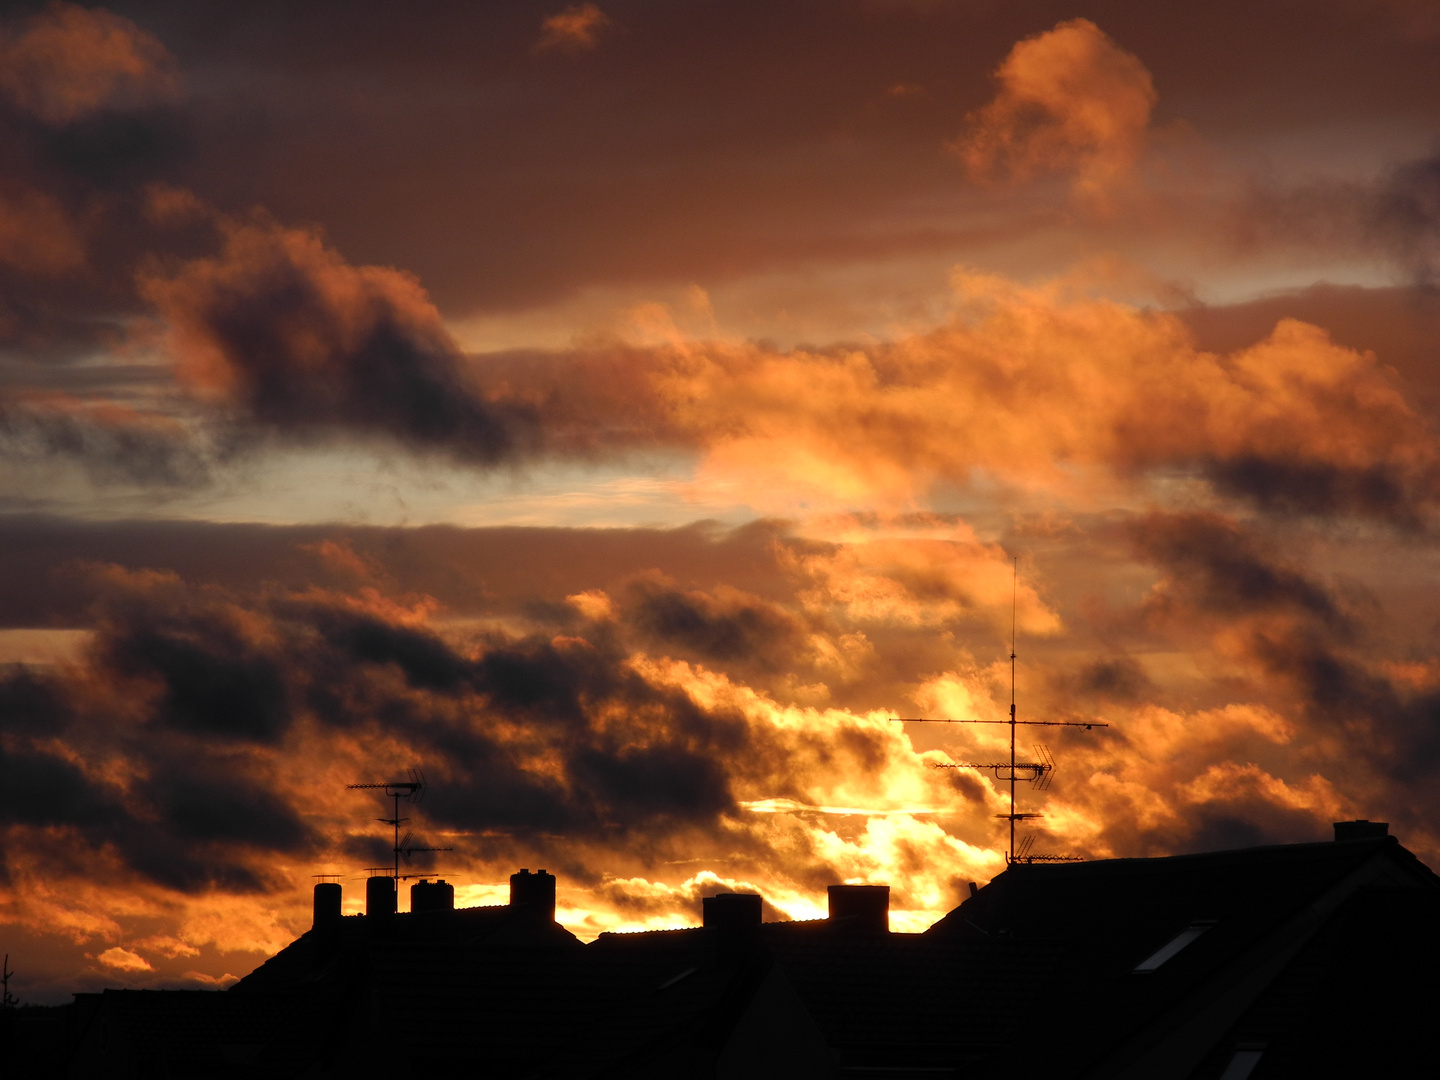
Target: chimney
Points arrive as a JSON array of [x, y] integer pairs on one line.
[[1361, 830], [732, 922], [534, 892], [731, 912], [327, 904], [432, 896], [860, 909], [380, 896]]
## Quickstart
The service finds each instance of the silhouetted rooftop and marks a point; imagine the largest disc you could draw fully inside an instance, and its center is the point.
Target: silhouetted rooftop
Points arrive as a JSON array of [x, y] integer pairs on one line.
[[1292, 957]]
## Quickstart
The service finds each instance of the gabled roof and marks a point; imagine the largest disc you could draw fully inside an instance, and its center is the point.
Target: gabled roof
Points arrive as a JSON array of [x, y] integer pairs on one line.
[[1247, 913], [1355, 998]]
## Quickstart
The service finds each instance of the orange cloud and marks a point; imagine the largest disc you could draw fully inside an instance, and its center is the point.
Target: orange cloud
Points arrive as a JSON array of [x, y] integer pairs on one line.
[[1071, 101], [124, 960], [1076, 396], [37, 236], [917, 571], [68, 62], [575, 28]]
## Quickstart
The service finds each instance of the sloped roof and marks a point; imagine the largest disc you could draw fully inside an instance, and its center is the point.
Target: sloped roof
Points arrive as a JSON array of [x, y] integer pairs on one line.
[[1353, 1000], [682, 1002], [1035, 975], [883, 1000], [1253, 909]]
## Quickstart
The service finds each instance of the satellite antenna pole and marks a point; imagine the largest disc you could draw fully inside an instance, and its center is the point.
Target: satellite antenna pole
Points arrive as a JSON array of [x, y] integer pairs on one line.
[[1038, 772]]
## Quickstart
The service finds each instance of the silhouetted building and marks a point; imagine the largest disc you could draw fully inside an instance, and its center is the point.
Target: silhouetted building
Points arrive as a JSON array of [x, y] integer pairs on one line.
[[1301, 960]]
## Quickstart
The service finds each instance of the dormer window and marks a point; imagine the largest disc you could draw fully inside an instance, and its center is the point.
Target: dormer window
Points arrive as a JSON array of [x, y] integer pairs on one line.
[[1173, 946]]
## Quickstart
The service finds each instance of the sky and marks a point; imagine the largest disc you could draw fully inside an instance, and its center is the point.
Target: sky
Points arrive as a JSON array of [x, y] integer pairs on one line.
[[621, 412]]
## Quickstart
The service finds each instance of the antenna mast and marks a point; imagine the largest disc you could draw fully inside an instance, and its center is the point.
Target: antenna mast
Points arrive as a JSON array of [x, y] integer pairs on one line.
[[397, 789], [1039, 773]]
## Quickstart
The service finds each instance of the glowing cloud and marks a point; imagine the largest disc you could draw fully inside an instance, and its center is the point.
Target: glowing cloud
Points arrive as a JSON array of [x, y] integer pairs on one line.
[[1070, 100], [124, 960], [1049, 391], [575, 28]]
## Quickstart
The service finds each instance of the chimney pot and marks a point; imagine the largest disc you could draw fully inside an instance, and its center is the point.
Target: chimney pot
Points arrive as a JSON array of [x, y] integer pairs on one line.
[[534, 893], [328, 895], [436, 895], [380, 896]]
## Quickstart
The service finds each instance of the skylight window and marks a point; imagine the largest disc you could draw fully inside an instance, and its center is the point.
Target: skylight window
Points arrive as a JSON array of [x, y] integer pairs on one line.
[[1242, 1064], [1173, 946]]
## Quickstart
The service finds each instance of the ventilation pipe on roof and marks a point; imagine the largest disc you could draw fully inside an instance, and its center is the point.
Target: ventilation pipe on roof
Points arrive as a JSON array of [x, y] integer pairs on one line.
[[860, 909], [380, 896], [534, 893], [1361, 830], [328, 895]]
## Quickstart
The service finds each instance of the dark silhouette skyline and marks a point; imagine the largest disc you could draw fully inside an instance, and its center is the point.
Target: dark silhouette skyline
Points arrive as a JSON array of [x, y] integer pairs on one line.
[[1266, 962]]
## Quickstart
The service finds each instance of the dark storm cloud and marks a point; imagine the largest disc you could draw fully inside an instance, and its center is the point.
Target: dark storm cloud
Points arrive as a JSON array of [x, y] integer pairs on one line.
[[43, 789], [191, 694], [1239, 820], [1118, 678], [1323, 489], [424, 660], [1222, 569], [209, 805], [183, 817], [214, 680], [635, 759], [730, 626], [281, 329], [1392, 726], [1378, 722]]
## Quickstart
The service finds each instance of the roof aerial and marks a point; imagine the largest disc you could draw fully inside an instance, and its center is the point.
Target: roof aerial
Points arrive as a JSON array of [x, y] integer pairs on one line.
[[1039, 772], [411, 790]]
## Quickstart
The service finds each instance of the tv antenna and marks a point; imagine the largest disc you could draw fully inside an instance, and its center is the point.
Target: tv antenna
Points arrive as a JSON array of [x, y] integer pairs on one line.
[[1038, 773], [411, 790]]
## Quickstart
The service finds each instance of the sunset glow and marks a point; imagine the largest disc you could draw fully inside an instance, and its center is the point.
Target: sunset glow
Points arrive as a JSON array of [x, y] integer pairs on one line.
[[623, 411]]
